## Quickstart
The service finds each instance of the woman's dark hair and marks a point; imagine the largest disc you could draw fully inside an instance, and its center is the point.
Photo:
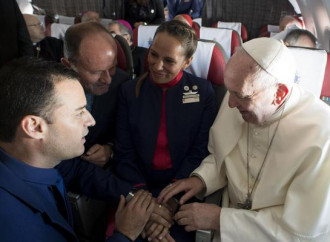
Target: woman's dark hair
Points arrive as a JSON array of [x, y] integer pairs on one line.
[[183, 33]]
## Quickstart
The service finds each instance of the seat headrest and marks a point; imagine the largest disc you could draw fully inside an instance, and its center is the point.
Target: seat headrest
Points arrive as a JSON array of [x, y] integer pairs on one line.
[[311, 65], [66, 20], [198, 21], [144, 35], [229, 39], [58, 30], [237, 26], [209, 62], [325, 92], [230, 25]]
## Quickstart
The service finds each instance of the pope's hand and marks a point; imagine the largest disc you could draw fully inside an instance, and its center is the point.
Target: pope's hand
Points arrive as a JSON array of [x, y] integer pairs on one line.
[[191, 186]]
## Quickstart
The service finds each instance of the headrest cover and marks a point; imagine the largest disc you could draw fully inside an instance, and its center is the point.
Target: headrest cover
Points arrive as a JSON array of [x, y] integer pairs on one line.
[[188, 18], [274, 57]]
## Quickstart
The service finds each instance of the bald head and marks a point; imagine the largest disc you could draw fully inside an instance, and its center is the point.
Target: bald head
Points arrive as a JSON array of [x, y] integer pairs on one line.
[[35, 28], [91, 33], [92, 52], [90, 16]]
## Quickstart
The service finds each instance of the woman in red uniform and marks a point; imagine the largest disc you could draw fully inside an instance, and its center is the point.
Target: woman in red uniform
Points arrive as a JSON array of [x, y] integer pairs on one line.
[[164, 117]]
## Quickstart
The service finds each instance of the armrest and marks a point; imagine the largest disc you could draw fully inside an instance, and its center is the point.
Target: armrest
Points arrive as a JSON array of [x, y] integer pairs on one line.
[[207, 235]]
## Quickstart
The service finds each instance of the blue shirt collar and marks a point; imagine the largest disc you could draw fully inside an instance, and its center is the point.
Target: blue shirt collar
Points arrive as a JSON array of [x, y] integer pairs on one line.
[[47, 176]]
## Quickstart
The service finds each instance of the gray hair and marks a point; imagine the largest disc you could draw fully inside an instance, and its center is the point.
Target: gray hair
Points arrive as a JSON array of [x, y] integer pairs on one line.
[[294, 35], [123, 29]]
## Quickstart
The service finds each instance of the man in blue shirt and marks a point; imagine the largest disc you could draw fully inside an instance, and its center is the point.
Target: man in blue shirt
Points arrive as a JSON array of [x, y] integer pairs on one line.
[[44, 120], [191, 7]]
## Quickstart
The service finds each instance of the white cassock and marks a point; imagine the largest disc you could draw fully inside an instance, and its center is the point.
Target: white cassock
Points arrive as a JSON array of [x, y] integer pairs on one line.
[[291, 200]]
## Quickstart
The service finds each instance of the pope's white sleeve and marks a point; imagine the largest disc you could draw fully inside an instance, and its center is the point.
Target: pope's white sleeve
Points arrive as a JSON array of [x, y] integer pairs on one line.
[[212, 173], [305, 215]]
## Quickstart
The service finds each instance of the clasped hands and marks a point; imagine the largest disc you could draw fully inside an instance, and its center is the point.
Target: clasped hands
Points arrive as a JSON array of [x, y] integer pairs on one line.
[[193, 216], [157, 217]]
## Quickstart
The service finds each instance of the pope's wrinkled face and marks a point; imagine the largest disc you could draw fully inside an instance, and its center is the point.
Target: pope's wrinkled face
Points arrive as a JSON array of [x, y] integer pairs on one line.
[[96, 64], [166, 58], [255, 102], [65, 135]]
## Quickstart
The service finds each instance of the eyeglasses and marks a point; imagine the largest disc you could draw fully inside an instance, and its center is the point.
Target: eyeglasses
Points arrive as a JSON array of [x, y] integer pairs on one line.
[[36, 24]]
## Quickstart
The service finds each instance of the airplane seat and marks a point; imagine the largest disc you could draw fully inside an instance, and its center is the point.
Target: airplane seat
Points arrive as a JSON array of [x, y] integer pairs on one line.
[[66, 20], [124, 55], [265, 34], [209, 62], [198, 21], [239, 27], [89, 216], [311, 66], [58, 30], [236, 41], [77, 19], [325, 92], [196, 27], [267, 29], [48, 22], [105, 21], [144, 35], [229, 39]]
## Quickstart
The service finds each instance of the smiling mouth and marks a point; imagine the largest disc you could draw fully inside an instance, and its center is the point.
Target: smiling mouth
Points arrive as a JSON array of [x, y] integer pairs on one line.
[[157, 74]]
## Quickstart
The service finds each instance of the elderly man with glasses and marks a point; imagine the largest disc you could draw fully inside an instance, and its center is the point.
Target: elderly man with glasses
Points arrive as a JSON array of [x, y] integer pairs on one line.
[[48, 48]]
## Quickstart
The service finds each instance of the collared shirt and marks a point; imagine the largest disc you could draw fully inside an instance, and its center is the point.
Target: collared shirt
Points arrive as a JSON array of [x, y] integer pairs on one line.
[[90, 100], [43, 180]]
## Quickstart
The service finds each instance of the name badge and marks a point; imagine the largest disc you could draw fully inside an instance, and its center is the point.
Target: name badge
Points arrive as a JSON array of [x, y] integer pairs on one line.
[[190, 96], [190, 100]]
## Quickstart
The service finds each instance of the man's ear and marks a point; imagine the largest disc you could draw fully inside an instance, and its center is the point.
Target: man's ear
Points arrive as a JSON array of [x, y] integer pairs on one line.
[[281, 93], [33, 126], [188, 62], [66, 62]]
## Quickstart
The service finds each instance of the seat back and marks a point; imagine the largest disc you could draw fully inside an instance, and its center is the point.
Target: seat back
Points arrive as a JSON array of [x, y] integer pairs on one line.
[[58, 30], [209, 62], [268, 30], [89, 216], [124, 55], [105, 21], [198, 21], [144, 35], [196, 27], [66, 20], [311, 65], [325, 92], [229, 39], [239, 27]]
